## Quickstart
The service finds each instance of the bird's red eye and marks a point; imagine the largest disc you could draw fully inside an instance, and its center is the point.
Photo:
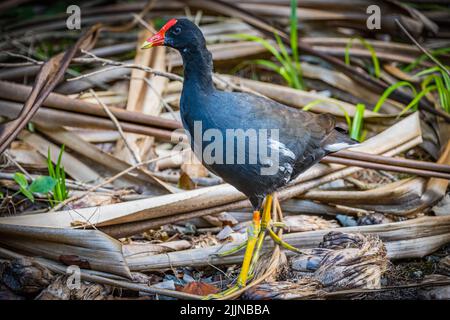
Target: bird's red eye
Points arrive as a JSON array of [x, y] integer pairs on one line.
[[177, 30]]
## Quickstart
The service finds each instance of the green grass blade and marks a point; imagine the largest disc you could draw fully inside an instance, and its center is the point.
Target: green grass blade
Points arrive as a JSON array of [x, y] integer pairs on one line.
[[417, 98], [51, 170], [294, 46], [389, 91], [27, 194], [63, 184], [441, 85], [283, 50], [266, 44], [58, 163], [446, 89], [424, 57], [441, 92], [427, 71], [446, 79], [267, 64], [357, 123], [274, 67], [369, 47], [294, 34]]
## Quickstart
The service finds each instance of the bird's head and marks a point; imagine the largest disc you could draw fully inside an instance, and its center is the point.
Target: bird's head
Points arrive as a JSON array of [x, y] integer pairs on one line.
[[180, 34]]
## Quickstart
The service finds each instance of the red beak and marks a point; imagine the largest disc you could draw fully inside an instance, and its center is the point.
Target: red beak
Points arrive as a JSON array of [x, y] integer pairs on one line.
[[158, 38]]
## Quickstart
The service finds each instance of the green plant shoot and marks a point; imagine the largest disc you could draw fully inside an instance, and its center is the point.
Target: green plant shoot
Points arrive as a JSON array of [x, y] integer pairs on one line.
[[58, 174]]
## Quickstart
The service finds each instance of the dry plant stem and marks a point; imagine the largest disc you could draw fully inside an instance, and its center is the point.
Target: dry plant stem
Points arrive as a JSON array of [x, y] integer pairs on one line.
[[19, 93], [106, 182], [80, 146], [72, 184], [64, 118], [425, 51], [118, 126], [378, 166], [431, 166]]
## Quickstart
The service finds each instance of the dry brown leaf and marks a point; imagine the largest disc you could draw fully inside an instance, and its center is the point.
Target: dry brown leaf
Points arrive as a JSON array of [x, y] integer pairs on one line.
[[199, 288], [185, 182]]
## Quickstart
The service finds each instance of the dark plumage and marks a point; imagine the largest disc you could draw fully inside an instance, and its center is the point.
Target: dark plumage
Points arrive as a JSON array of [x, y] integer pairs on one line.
[[304, 137]]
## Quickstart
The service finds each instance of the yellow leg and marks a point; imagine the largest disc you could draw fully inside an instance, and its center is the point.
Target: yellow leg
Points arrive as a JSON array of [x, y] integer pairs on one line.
[[253, 234], [282, 243], [265, 222], [256, 234]]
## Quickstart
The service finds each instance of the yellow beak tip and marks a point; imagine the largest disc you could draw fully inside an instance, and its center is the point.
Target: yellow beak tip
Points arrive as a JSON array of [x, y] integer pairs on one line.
[[146, 45]]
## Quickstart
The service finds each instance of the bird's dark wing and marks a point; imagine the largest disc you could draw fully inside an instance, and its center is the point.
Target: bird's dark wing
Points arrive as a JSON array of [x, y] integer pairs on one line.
[[306, 134]]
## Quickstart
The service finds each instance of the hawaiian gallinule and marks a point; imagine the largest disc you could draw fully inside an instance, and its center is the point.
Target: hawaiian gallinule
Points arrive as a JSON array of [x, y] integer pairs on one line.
[[277, 142]]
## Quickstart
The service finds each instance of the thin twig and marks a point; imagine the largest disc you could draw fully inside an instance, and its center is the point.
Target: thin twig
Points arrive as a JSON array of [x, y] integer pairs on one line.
[[17, 55], [117, 65], [118, 127], [144, 24], [25, 172], [425, 51]]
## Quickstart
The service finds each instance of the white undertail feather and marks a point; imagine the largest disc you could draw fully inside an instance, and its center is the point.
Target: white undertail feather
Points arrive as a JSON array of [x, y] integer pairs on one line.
[[339, 146], [281, 148]]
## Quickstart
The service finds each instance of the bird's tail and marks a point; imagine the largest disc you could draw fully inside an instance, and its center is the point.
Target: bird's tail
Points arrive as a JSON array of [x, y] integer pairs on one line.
[[338, 139]]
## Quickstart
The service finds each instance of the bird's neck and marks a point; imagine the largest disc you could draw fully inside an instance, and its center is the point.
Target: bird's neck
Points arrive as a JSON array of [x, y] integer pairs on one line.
[[198, 67]]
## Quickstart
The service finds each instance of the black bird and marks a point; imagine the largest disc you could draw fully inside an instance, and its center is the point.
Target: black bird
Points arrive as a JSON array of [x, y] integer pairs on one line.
[[276, 142]]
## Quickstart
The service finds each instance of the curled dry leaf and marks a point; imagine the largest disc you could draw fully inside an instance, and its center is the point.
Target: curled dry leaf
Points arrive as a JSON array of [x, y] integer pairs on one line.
[[345, 261], [185, 182], [199, 288], [356, 261], [342, 261]]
